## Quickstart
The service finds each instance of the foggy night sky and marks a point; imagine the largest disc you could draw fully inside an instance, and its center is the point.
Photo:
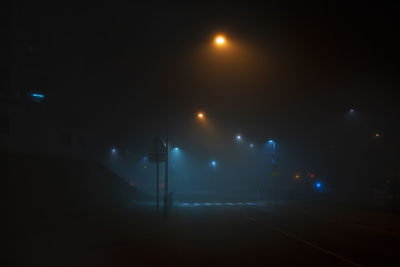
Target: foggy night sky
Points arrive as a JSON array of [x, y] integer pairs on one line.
[[105, 67]]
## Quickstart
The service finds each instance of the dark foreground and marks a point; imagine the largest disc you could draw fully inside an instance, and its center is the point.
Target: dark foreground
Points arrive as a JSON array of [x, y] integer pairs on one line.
[[204, 235]]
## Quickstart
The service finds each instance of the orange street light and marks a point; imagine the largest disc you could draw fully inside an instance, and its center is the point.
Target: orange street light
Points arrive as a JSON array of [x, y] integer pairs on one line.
[[200, 115], [220, 40]]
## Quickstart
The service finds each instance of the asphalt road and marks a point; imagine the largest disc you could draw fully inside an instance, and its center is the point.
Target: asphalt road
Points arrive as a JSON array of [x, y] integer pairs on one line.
[[207, 235], [265, 235]]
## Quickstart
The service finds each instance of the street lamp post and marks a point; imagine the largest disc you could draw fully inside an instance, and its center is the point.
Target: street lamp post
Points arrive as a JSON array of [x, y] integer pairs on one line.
[[166, 142], [274, 184], [272, 142], [220, 41]]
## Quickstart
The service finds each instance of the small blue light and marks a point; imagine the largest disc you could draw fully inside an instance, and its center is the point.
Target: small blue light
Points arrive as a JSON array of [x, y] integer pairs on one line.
[[238, 137], [38, 95], [273, 144], [213, 163], [175, 149], [208, 204], [251, 146], [113, 150], [318, 185]]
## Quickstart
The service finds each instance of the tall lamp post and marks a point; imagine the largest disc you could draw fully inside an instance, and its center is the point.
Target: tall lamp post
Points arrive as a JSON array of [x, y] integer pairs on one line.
[[220, 42], [166, 141]]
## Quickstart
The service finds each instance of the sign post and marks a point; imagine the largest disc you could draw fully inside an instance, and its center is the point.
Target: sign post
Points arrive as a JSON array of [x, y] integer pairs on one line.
[[157, 185], [156, 155]]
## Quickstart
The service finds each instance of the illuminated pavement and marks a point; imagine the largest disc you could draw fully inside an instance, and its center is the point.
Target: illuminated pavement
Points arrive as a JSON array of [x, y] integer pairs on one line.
[[209, 204], [212, 234]]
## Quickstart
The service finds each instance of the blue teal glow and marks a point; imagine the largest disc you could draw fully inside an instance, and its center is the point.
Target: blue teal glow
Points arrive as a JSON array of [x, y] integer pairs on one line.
[[318, 185], [38, 95], [113, 150], [238, 137], [213, 163], [272, 142], [175, 149]]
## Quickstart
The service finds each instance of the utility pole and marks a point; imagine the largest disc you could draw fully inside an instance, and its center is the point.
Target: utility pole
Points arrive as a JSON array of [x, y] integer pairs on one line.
[[166, 143], [156, 155], [157, 185], [166, 137]]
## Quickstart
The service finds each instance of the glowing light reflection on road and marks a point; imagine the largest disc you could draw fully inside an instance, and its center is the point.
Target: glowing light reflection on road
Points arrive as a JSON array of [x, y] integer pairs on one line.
[[209, 204]]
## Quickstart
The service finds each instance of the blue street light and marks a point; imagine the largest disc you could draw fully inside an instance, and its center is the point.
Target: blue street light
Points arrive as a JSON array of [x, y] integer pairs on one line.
[[175, 149], [238, 137], [113, 150], [213, 163], [273, 144], [38, 95], [318, 185]]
